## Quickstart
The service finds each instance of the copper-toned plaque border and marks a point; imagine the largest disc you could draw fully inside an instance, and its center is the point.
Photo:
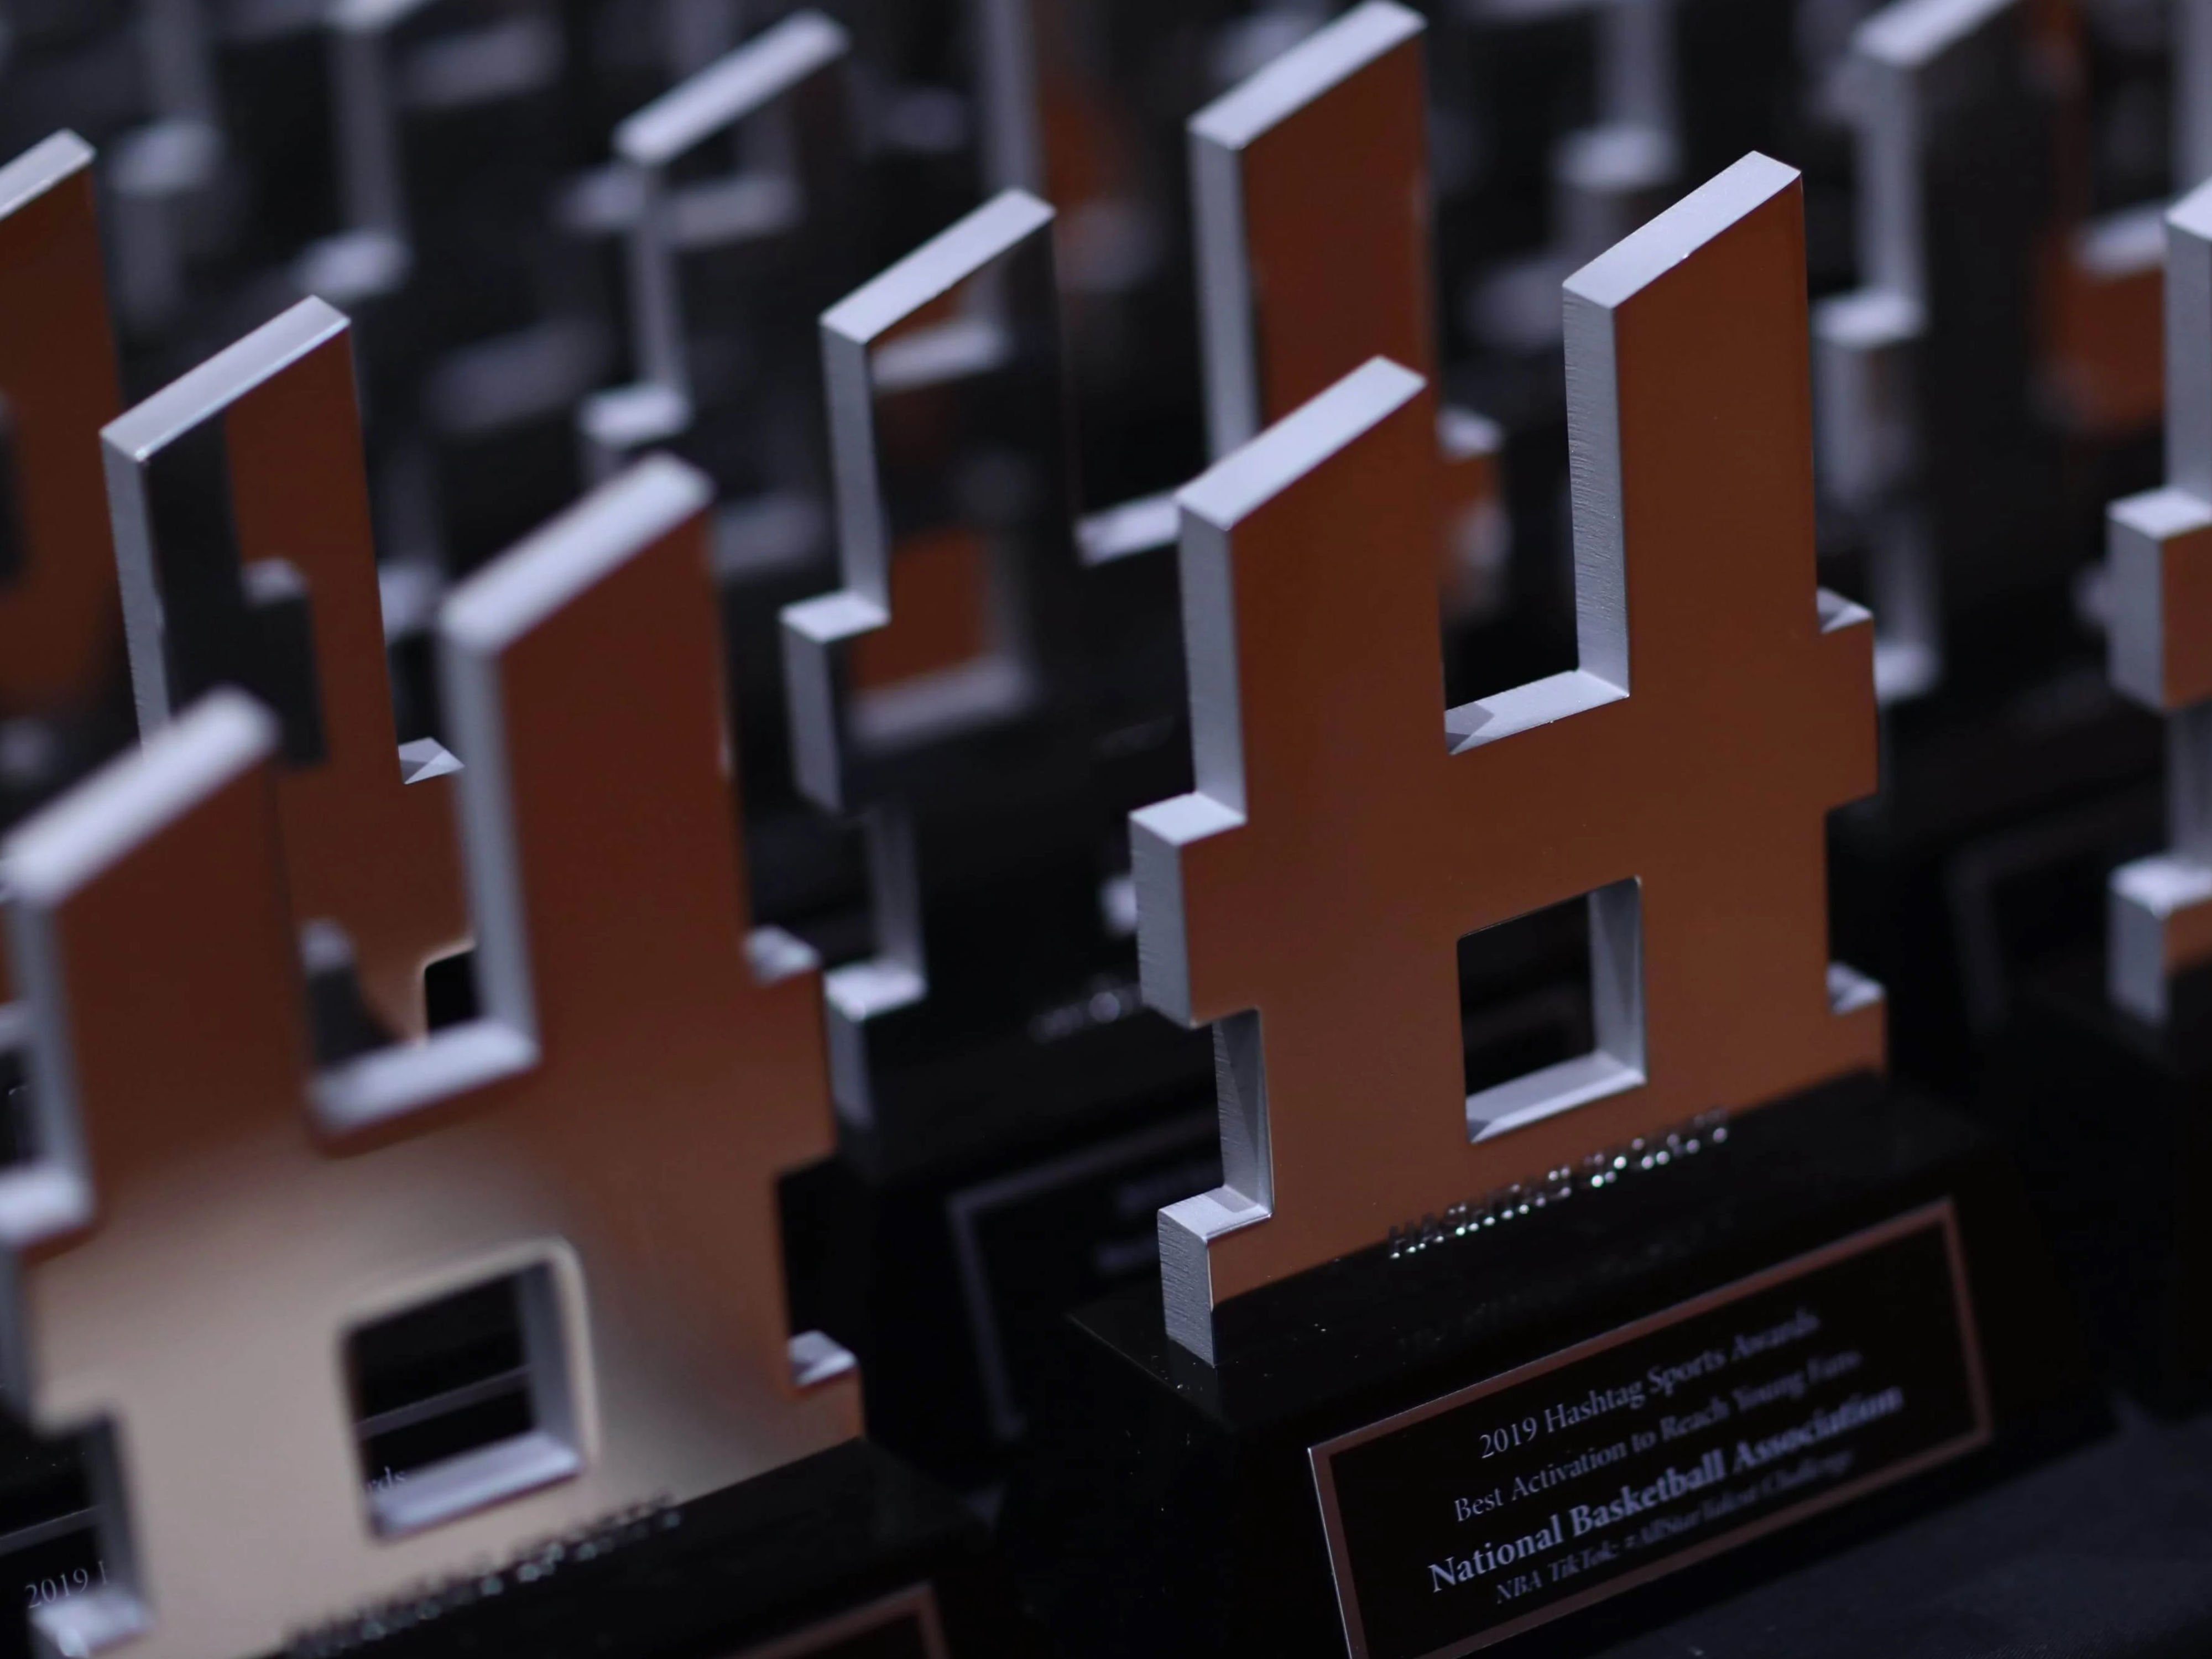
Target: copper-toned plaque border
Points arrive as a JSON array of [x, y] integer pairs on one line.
[[916, 1602], [1939, 1214]]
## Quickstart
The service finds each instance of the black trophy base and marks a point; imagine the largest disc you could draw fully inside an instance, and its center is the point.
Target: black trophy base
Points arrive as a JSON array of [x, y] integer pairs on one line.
[[946, 1262], [1602, 1412], [848, 1554], [2000, 811], [2112, 1123], [2098, 1555], [947, 1277]]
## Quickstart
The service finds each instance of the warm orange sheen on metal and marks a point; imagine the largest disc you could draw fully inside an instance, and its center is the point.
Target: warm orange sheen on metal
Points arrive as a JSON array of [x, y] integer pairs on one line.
[[60, 632], [1313, 176], [622, 1115], [1336, 220], [1339, 843], [2100, 338], [362, 847], [2104, 345], [940, 583]]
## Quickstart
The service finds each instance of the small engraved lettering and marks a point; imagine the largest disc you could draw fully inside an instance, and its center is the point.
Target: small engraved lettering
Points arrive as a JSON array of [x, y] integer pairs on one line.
[[1466, 1509], [1801, 1324], [1486, 1559], [1595, 1404], [1855, 1412], [1696, 1428], [1665, 1379]]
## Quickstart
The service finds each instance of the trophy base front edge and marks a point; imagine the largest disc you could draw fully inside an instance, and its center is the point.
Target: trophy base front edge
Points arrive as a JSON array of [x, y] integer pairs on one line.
[[849, 1552]]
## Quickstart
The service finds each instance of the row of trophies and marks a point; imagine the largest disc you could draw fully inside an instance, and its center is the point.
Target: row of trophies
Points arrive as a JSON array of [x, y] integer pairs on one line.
[[623, 833]]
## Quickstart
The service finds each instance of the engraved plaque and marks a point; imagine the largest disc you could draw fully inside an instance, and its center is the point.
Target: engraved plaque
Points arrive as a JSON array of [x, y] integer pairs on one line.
[[1465, 1521], [57, 621]]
